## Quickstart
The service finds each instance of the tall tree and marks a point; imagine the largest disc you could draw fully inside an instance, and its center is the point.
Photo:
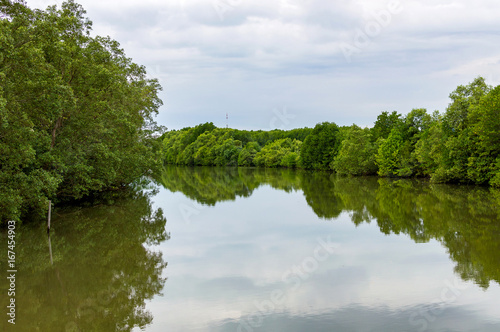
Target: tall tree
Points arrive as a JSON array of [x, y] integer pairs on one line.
[[484, 162], [384, 124], [77, 114], [357, 153], [457, 132], [321, 146]]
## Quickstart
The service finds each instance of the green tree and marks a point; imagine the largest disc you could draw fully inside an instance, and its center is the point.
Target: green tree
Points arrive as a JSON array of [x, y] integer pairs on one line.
[[172, 145], [417, 122], [484, 162], [76, 114], [290, 159], [321, 146], [204, 148], [30, 94], [282, 152], [429, 148], [399, 154], [388, 157], [227, 151], [247, 154], [384, 125], [458, 137], [462, 98], [357, 153]]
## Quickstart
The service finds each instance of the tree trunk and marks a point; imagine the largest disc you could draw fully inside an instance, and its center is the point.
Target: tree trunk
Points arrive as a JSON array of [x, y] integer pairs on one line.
[[56, 126]]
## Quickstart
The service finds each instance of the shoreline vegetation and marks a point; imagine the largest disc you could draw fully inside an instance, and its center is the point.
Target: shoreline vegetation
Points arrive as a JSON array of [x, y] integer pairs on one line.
[[460, 146], [76, 115]]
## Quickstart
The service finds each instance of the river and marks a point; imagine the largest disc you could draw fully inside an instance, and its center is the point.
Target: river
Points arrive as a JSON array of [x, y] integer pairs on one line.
[[243, 249]]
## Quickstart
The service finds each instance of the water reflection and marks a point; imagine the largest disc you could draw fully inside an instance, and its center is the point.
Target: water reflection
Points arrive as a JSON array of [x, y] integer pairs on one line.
[[466, 220], [95, 272], [359, 318]]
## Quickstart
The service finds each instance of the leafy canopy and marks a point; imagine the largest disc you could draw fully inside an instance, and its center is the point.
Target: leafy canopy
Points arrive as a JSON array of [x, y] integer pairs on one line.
[[76, 115]]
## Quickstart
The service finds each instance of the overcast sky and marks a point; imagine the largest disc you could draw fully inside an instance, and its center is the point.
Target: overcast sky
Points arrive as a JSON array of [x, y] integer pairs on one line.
[[293, 63]]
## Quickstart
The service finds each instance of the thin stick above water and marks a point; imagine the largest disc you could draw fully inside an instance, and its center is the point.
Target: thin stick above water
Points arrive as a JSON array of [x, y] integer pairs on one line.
[[48, 220]]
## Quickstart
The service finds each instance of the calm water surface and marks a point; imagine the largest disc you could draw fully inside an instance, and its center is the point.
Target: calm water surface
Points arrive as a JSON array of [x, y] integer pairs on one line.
[[227, 249]]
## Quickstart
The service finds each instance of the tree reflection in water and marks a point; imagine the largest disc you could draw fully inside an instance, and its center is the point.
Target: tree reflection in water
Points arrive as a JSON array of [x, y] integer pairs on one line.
[[102, 271], [465, 219]]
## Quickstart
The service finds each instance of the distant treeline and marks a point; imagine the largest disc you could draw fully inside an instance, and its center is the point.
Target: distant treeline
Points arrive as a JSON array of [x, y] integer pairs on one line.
[[462, 145]]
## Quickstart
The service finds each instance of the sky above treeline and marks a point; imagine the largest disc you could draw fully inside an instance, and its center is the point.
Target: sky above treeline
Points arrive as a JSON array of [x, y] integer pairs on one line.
[[294, 63]]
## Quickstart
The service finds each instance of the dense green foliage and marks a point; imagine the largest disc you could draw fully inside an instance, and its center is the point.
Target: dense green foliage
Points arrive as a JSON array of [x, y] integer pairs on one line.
[[357, 153], [206, 145], [462, 145], [75, 112], [463, 218], [321, 146], [283, 152], [457, 147]]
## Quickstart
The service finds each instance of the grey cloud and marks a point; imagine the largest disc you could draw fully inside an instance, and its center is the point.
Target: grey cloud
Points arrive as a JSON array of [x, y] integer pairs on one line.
[[263, 54]]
